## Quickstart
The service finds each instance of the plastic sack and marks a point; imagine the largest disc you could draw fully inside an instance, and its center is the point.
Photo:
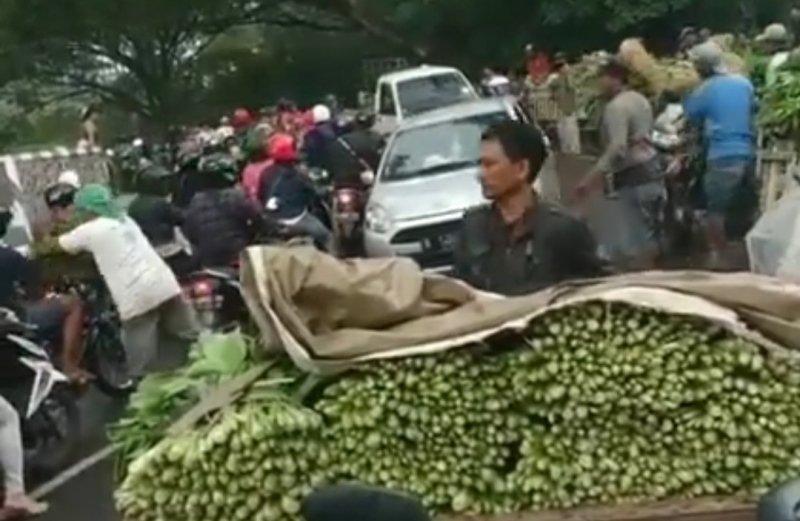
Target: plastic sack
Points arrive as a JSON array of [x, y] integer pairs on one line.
[[773, 245]]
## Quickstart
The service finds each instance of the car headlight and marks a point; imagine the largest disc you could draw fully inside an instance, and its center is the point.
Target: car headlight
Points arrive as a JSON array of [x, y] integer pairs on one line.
[[378, 219]]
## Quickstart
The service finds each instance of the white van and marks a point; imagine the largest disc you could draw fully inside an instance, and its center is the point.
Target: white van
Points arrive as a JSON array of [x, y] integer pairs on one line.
[[407, 93]]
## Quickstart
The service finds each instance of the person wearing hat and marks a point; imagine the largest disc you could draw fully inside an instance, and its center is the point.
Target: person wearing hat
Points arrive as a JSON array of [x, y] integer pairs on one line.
[[776, 41], [142, 286], [356, 502], [724, 106], [565, 95], [629, 168]]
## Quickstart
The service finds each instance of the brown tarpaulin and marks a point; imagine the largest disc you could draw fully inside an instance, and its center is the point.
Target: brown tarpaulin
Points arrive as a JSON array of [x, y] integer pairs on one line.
[[329, 314]]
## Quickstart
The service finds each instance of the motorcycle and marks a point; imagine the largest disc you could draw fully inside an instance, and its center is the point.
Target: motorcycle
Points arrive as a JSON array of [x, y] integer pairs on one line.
[[319, 208], [216, 296], [104, 353], [50, 419], [679, 226]]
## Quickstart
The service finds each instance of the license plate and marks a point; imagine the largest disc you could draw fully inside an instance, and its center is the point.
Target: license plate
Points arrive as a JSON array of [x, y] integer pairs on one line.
[[439, 243]]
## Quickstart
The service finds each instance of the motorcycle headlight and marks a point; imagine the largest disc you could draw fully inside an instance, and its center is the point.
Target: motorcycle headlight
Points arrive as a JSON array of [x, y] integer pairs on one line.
[[378, 219]]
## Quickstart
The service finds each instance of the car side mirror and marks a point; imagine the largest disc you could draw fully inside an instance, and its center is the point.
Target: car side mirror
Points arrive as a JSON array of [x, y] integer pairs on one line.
[[368, 177]]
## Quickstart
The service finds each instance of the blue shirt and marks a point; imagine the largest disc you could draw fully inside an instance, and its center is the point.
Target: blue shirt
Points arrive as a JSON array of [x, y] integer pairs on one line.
[[725, 106]]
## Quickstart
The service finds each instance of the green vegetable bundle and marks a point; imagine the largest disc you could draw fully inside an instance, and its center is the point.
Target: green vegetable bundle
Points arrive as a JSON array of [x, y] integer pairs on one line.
[[599, 403], [255, 464]]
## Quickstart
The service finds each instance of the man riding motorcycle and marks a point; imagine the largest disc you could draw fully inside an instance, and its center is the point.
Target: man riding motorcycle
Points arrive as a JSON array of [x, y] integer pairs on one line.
[[220, 222], [288, 194], [364, 147], [54, 315], [159, 219], [319, 140]]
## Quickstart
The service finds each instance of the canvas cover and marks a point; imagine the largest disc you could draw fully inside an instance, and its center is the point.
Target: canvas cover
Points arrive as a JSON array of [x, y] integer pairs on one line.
[[329, 315]]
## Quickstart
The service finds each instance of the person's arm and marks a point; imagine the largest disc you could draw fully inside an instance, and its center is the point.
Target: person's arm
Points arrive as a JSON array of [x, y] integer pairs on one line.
[[173, 214], [615, 122], [694, 107], [252, 216], [29, 277], [77, 240], [577, 251]]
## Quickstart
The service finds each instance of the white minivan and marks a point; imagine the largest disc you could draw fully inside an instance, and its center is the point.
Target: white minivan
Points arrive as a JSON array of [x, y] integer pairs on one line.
[[407, 93]]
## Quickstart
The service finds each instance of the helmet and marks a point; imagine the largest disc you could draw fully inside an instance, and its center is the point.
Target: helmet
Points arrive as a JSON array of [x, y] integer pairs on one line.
[[365, 119], [152, 178], [782, 503], [283, 149], [242, 118], [60, 195], [219, 168], [321, 113], [70, 177]]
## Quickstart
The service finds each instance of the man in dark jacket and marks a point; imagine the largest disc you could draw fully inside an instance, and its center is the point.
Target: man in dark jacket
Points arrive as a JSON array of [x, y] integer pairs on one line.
[[159, 219], [288, 195], [319, 140], [362, 151], [221, 221], [518, 244]]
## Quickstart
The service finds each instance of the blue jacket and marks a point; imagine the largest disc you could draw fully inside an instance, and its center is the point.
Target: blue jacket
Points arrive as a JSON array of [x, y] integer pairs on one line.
[[725, 106], [317, 143], [293, 191]]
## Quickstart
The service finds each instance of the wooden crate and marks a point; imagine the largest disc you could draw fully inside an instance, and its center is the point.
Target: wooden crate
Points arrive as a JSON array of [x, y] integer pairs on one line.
[[707, 509], [775, 161]]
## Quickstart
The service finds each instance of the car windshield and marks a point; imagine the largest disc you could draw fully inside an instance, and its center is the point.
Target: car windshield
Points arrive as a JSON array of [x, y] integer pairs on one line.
[[432, 92], [438, 148]]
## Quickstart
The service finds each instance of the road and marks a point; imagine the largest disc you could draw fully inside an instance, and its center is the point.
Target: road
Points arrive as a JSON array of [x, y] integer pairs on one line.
[[89, 495]]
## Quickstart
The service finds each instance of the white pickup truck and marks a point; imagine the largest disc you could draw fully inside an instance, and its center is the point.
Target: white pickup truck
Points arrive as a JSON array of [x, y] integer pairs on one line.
[[403, 94]]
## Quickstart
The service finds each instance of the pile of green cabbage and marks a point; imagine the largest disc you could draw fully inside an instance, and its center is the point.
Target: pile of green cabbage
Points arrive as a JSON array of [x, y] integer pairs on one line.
[[599, 403]]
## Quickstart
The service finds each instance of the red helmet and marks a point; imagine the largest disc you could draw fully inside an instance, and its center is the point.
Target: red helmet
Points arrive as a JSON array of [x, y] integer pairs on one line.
[[283, 149], [241, 118]]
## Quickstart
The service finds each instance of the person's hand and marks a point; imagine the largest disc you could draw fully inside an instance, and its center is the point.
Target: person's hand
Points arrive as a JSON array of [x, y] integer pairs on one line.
[[676, 166], [589, 184]]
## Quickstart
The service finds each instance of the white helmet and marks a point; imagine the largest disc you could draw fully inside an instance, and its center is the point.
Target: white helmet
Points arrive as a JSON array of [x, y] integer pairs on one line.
[[321, 113], [70, 177]]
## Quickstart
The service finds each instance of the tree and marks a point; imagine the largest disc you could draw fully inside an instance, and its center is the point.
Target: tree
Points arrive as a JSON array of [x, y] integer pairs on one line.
[[136, 54]]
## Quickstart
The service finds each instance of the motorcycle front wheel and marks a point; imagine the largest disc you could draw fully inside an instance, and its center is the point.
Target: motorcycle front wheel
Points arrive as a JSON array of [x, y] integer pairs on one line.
[[52, 436]]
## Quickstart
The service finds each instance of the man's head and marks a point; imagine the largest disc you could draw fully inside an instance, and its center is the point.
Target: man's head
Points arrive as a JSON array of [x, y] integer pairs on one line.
[[775, 38], [614, 77], [88, 113], [321, 114], [530, 50], [97, 200], [60, 199], [707, 59], [70, 177], [512, 153]]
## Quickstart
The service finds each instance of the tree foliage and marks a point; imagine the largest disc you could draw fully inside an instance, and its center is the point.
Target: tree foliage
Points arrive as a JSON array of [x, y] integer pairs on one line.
[[163, 60]]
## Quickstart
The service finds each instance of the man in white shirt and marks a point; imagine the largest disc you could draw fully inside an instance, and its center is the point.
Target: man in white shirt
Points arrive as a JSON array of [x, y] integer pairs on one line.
[[144, 289]]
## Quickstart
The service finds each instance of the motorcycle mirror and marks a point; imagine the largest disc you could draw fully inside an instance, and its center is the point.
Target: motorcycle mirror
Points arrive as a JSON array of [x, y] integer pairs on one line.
[[368, 177]]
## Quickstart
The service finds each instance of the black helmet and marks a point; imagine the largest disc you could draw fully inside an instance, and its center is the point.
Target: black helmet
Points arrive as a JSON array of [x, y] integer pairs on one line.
[[782, 503], [60, 195], [219, 169], [152, 178], [365, 119], [356, 501]]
